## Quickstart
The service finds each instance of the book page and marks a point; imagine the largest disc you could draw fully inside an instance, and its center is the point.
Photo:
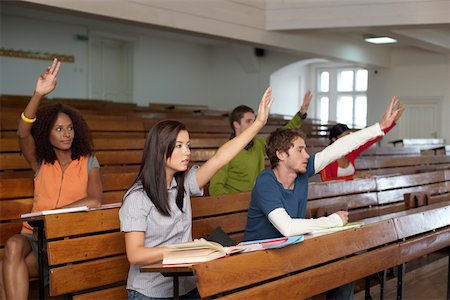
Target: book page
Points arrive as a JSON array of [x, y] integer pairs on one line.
[[191, 256], [198, 244], [336, 228]]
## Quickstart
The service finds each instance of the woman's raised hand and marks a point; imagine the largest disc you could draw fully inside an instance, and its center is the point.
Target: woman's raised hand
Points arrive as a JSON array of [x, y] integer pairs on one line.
[[264, 106], [47, 81], [393, 113], [401, 110]]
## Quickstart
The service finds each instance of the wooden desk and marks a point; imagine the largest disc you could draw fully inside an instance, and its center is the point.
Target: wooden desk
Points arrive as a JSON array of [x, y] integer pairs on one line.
[[337, 258]]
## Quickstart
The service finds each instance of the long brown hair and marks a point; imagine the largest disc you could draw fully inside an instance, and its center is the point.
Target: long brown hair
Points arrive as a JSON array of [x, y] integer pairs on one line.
[[159, 146]]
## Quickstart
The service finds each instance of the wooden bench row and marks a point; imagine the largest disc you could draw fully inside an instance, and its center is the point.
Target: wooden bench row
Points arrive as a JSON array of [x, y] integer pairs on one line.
[[102, 125], [126, 116], [86, 253], [123, 151], [363, 198], [324, 262], [109, 267]]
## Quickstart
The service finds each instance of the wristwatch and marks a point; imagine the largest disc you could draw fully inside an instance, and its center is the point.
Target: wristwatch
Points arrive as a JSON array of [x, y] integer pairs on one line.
[[302, 116]]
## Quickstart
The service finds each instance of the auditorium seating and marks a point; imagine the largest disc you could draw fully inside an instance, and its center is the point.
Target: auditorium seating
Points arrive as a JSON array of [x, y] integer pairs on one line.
[[119, 141]]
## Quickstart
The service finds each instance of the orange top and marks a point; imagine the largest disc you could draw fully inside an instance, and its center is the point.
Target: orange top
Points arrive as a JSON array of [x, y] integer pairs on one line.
[[54, 188]]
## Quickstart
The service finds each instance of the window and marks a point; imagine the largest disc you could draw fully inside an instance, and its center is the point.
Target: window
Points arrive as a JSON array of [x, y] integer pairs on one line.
[[342, 95]]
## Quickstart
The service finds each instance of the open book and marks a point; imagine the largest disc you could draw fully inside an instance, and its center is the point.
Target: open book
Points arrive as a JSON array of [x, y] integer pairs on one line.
[[55, 211], [199, 250]]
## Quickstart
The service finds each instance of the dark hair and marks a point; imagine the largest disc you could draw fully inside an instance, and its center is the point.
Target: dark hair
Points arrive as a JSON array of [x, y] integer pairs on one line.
[[236, 115], [161, 140], [45, 120], [337, 130], [281, 139]]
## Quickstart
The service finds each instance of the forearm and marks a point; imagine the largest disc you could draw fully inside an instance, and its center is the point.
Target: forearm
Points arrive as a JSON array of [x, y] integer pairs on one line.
[[295, 122], [140, 255], [345, 145], [24, 128], [288, 226], [91, 202]]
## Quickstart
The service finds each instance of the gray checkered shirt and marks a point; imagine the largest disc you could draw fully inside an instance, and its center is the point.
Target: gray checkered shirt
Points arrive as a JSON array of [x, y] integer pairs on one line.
[[139, 214]]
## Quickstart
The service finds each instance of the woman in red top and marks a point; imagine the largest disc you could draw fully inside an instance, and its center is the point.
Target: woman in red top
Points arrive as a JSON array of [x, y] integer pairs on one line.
[[344, 168]]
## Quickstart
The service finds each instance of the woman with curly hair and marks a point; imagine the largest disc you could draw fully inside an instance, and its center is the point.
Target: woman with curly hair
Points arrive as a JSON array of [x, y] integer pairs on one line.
[[56, 142]]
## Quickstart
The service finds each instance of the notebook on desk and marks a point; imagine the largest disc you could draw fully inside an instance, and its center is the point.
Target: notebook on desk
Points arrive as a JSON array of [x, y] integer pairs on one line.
[[55, 211]]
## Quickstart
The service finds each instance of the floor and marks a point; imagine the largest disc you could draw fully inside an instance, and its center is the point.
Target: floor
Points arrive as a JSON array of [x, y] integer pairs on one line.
[[424, 283]]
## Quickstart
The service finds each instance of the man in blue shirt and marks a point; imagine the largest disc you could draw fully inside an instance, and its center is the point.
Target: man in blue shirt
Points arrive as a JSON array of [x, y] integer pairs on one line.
[[279, 198]]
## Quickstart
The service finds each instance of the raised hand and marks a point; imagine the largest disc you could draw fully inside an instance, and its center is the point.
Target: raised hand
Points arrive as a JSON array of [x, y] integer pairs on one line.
[[402, 109], [264, 106], [306, 101], [393, 113], [47, 81]]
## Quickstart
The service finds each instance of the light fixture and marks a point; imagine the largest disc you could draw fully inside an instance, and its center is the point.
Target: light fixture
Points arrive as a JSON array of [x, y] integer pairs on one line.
[[380, 40]]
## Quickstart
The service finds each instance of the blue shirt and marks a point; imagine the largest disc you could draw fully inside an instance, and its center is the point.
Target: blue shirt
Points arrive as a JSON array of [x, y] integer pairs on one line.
[[268, 195]]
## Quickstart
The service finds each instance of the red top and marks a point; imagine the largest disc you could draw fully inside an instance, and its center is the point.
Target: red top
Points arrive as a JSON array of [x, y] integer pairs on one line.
[[330, 171]]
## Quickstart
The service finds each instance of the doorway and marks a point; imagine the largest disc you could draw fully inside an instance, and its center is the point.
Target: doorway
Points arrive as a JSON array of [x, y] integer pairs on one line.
[[111, 69]]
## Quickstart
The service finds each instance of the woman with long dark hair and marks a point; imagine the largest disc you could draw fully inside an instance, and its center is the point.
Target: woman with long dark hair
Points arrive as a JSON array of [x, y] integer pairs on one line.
[[156, 210]]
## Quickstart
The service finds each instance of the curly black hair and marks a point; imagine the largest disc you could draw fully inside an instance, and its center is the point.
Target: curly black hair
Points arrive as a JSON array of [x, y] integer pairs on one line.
[[45, 119]]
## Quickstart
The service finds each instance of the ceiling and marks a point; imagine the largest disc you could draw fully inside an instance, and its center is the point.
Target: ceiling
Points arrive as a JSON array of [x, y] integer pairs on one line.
[[414, 23], [332, 29]]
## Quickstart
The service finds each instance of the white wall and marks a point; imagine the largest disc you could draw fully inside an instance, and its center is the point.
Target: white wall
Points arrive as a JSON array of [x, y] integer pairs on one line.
[[28, 34], [171, 67], [233, 86], [414, 74], [290, 83], [168, 68]]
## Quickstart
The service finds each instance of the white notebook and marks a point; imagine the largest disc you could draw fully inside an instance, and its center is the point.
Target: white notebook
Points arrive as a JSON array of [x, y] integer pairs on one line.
[[55, 211]]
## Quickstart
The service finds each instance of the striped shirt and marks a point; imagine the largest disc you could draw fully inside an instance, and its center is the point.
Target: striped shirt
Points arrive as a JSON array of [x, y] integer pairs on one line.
[[138, 213]]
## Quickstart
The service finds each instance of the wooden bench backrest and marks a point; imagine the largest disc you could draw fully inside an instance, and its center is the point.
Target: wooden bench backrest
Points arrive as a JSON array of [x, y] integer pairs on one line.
[[16, 197], [388, 162], [85, 250], [111, 151], [128, 151], [376, 196], [227, 211]]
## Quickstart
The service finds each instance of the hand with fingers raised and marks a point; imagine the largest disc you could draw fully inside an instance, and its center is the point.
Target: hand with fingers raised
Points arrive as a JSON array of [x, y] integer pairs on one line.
[[46, 83], [393, 113], [306, 102], [264, 106]]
